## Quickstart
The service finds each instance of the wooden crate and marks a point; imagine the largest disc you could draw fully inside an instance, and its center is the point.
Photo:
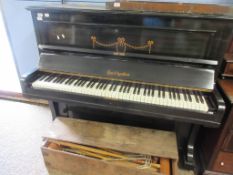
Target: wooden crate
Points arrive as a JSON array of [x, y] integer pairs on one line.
[[111, 137]]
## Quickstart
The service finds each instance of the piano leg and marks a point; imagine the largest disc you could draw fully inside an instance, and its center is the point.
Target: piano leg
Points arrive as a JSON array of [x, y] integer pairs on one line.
[[191, 145], [54, 109], [186, 138], [58, 109]]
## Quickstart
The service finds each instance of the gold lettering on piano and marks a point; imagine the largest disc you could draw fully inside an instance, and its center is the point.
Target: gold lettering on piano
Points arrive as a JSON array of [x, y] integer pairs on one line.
[[121, 45], [117, 74]]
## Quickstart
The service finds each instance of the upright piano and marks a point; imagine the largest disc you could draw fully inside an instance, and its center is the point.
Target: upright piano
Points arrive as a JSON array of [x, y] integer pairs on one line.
[[145, 68]]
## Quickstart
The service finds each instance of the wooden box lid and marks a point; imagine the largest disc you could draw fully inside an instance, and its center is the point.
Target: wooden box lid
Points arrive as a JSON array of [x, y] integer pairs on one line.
[[113, 136]]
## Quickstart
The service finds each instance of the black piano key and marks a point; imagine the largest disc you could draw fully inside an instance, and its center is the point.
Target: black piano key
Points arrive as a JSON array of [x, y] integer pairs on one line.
[[100, 82], [139, 88], [128, 88], [177, 93], [106, 82], [122, 87], [125, 87], [196, 96], [102, 85], [78, 82], [153, 91], [84, 80], [36, 77], [47, 78], [135, 89], [163, 92], [185, 95], [159, 91], [189, 95], [83, 83], [114, 89], [170, 93], [201, 97], [105, 85], [89, 84], [174, 94], [93, 83], [62, 80], [57, 79], [180, 92], [41, 77], [112, 84], [145, 89], [149, 90], [53, 79], [71, 81], [67, 82]]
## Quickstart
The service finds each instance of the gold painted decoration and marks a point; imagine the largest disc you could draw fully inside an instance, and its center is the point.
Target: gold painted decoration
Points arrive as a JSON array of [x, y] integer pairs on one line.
[[121, 45]]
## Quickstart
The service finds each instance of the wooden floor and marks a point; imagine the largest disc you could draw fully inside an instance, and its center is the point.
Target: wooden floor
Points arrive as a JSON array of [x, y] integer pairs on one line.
[[21, 128]]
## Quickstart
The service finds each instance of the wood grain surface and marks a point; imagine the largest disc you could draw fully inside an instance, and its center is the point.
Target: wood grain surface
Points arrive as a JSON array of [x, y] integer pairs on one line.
[[118, 137]]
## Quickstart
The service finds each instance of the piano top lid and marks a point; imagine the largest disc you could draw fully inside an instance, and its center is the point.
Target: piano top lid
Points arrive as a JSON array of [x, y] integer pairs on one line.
[[192, 10]]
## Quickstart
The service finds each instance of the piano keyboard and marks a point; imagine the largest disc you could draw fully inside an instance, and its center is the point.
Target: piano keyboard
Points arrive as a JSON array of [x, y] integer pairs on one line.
[[125, 91]]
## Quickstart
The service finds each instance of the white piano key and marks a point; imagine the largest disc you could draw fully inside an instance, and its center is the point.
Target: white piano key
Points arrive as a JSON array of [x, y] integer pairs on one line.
[[79, 86]]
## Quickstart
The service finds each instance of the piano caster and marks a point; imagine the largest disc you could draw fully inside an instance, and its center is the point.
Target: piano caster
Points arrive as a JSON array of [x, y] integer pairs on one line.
[[189, 159]]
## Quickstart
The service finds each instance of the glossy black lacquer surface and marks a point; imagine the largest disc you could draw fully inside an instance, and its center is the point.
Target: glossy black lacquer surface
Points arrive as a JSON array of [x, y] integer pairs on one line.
[[169, 35], [181, 50]]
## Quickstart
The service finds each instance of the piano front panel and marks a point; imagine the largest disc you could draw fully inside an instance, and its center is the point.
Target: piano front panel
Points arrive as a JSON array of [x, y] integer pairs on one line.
[[120, 40], [119, 33]]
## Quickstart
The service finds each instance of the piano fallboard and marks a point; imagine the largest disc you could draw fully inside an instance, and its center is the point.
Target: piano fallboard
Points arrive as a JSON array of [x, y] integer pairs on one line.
[[148, 71]]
